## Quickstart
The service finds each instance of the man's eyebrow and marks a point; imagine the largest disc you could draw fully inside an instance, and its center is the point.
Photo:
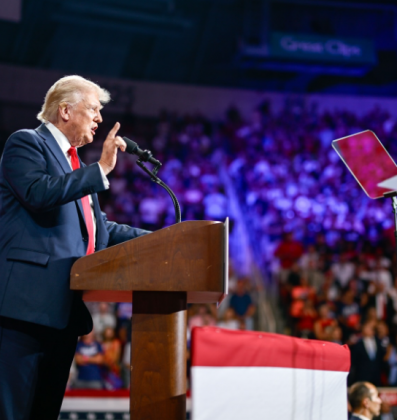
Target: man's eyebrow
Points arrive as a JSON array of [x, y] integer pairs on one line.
[[95, 106]]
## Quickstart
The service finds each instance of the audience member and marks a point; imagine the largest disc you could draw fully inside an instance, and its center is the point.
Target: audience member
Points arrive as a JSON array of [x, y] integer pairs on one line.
[[89, 360], [367, 357], [111, 359], [311, 265], [348, 312], [364, 401], [288, 252], [307, 318], [242, 304], [126, 365], [229, 320], [325, 323], [299, 295], [343, 270], [103, 319], [386, 412], [202, 317]]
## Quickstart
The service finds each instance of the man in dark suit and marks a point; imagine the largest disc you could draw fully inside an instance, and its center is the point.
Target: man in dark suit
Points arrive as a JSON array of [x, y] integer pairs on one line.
[[50, 217], [367, 357], [364, 401]]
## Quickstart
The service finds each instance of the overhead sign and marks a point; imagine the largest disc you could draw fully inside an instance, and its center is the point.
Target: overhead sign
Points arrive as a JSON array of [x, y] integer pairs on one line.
[[322, 48], [10, 10]]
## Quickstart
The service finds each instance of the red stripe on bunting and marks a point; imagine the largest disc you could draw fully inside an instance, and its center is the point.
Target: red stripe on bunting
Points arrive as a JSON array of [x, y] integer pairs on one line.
[[213, 346], [97, 393]]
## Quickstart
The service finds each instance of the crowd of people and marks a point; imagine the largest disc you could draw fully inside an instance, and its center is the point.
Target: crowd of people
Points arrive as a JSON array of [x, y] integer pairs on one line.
[[315, 233], [326, 244], [289, 178], [344, 295]]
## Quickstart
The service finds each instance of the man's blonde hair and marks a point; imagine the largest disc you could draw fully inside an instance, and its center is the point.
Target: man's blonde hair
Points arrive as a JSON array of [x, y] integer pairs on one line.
[[70, 90]]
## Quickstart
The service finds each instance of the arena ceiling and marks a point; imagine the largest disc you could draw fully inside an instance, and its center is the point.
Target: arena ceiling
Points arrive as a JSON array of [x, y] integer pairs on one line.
[[200, 41]]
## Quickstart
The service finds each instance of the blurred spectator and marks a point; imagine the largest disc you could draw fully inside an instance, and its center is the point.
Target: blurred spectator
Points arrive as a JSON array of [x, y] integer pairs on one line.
[[370, 315], [288, 252], [89, 360], [382, 332], [311, 265], [307, 317], [386, 412], [343, 270], [202, 317], [382, 275], [215, 204], [336, 335], [325, 323], [241, 303], [72, 375], [124, 315], [329, 292], [348, 311], [299, 295], [151, 209], [111, 359], [126, 365], [391, 358], [367, 357], [294, 276], [381, 299], [229, 320], [104, 318]]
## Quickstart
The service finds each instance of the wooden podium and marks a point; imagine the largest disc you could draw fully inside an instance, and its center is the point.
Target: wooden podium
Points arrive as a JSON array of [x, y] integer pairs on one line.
[[161, 273]]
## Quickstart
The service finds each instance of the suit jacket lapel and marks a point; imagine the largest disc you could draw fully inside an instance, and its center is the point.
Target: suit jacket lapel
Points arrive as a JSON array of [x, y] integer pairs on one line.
[[52, 144]]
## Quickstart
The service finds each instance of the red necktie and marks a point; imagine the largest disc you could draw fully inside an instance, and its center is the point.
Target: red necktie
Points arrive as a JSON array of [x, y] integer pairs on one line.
[[86, 205]]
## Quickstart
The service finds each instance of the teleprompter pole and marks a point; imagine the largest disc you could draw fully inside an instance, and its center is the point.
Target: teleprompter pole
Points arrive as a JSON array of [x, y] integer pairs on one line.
[[393, 196]]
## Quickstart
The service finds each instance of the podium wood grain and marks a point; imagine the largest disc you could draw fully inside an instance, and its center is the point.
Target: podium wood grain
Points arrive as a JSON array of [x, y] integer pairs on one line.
[[158, 356]]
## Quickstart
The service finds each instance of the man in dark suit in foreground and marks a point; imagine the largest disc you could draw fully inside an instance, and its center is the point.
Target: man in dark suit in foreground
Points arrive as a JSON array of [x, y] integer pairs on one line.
[[364, 401], [50, 217]]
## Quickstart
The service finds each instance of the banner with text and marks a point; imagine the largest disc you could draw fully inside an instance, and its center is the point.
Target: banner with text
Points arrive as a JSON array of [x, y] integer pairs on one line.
[[322, 48]]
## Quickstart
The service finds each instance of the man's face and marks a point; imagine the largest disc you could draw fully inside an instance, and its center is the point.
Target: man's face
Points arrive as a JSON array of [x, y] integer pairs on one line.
[[368, 330], [84, 118], [374, 402], [89, 338]]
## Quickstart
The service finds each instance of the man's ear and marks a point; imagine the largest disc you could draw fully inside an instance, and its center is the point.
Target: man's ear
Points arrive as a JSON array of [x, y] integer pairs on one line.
[[366, 402], [64, 111]]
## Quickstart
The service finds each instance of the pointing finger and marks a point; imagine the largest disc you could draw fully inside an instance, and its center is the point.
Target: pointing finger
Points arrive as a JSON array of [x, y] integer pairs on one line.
[[114, 130]]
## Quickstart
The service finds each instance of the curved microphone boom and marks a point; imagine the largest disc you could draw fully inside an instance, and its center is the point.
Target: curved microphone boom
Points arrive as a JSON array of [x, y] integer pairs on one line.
[[144, 155]]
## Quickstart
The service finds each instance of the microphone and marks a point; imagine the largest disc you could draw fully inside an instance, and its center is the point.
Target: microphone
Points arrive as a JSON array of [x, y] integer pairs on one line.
[[145, 155]]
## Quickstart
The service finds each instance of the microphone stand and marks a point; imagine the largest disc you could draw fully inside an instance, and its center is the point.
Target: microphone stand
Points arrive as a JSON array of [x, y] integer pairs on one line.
[[393, 196], [153, 176]]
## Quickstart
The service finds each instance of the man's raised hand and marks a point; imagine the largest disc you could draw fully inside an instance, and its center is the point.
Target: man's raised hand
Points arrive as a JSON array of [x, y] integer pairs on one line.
[[109, 151]]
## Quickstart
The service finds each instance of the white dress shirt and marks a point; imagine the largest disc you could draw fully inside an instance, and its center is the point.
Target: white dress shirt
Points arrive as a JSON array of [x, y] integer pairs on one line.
[[64, 144], [360, 416], [370, 347]]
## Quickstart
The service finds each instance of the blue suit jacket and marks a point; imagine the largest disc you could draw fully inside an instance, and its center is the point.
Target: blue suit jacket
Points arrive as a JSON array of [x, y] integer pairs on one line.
[[43, 231]]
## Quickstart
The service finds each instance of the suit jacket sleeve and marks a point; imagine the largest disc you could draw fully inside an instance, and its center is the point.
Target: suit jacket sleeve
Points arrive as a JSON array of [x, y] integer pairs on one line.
[[24, 169], [121, 233]]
